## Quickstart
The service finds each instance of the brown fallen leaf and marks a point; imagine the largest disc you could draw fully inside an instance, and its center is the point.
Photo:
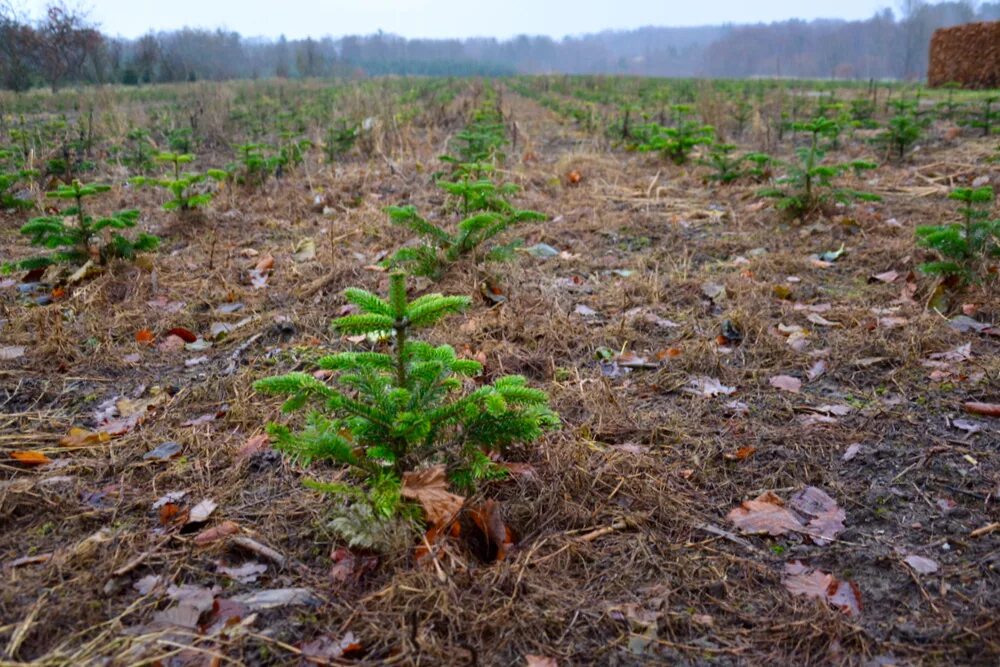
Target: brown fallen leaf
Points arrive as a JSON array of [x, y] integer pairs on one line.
[[350, 566], [810, 511], [786, 383], [36, 559], [921, 564], [740, 454], [30, 458], [816, 370], [201, 511], [985, 409], [765, 514], [254, 444], [800, 580], [429, 487], [323, 649], [216, 533], [886, 277], [171, 344], [531, 660], [11, 352], [266, 263], [825, 518], [184, 334], [81, 437], [168, 512]]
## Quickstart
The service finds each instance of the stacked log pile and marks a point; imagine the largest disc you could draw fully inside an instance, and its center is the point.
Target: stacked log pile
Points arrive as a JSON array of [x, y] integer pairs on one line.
[[966, 54]]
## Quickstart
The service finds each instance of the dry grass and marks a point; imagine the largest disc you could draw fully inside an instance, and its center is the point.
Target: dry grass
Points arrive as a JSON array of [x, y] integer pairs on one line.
[[625, 515]]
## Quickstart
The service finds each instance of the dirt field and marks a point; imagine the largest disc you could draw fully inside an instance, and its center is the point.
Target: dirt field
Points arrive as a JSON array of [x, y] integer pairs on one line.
[[625, 550]]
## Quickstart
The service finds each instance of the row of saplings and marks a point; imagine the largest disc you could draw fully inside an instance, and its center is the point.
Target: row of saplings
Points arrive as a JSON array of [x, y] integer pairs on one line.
[[390, 418], [381, 416]]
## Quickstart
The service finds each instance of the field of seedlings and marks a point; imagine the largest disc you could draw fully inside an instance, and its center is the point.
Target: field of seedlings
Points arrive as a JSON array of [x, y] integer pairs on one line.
[[529, 371]]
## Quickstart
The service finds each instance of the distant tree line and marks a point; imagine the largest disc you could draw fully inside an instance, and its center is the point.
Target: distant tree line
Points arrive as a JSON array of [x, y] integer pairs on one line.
[[63, 46]]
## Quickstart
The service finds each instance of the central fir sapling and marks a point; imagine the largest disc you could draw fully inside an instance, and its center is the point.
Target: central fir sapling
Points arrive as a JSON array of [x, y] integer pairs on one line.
[[384, 414]]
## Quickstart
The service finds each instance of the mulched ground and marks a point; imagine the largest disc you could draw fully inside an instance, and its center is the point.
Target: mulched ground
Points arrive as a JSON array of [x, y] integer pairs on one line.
[[624, 552]]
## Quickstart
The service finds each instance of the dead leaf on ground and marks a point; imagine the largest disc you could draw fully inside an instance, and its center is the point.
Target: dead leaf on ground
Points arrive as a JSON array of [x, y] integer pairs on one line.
[[708, 387], [11, 352], [531, 660], [277, 597], [488, 519], [921, 564], [247, 573], [816, 370], [81, 437], [765, 514], [984, 409], [429, 487], [885, 277], [201, 511], [30, 458], [800, 580], [216, 533], [254, 444], [825, 518], [323, 649], [786, 383], [186, 335], [348, 565], [811, 512]]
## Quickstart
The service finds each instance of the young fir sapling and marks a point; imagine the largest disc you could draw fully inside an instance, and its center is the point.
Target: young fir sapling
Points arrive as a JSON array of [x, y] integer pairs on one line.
[[10, 175], [75, 237], [180, 184], [340, 139], [383, 414], [963, 247], [808, 183], [903, 130], [675, 143], [727, 167]]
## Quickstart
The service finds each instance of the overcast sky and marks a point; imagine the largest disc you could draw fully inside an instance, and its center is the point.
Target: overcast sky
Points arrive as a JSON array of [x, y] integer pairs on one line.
[[447, 18]]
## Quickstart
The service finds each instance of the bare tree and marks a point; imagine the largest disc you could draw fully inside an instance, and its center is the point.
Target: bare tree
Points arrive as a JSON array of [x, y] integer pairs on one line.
[[18, 48], [67, 40]]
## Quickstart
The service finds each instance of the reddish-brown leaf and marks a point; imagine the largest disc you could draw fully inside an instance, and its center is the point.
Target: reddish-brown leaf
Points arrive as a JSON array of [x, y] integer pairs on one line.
[[786, 383], [429, 487], [985, 409], [488, 519], [168, 513], [265, 264], [171, 344], [216, 533], [80, 437], [184, 334], [323, 649], [765, 514], [800, 580], [254, 444], [539, 661], [30, 458]]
